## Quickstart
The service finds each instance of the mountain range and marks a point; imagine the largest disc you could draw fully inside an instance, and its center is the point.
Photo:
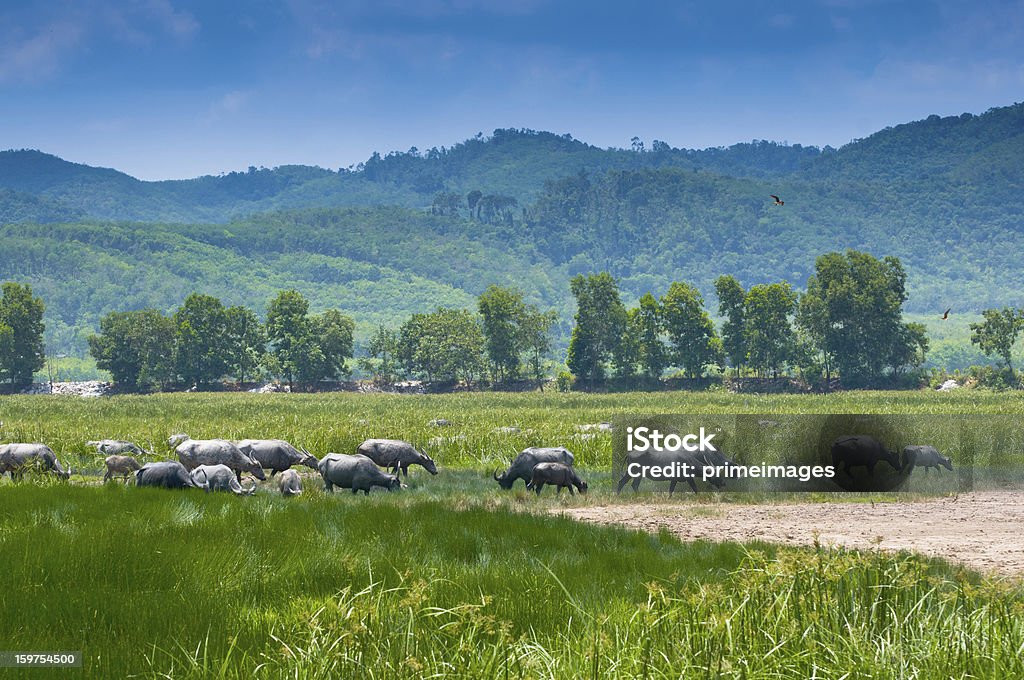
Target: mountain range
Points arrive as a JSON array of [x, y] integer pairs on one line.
[[409, 231]]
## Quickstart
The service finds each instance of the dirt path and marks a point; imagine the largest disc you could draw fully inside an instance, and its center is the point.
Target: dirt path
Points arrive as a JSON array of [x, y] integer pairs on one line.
[[983, 530]]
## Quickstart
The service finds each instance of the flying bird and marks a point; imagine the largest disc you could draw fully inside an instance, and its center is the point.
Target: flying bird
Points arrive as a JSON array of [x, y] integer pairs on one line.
[[778, 201], [946, 314]]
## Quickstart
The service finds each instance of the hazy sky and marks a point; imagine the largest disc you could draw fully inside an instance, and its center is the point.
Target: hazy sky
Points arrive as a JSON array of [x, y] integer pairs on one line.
[[173, 88]]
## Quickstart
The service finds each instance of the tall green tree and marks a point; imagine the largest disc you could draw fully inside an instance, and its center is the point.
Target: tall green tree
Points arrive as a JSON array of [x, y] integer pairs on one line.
[[600, 322], [693, 343], [647, 324], [22, 352], [731, 305], [137, 348], [910, 347], [503, 310], [998, 332], [305, 348], [332, 333], [201, 348], [535, 330], [288, 333], [769, 336], [246, 342], [812, 328], [854, 307], [447, 344]]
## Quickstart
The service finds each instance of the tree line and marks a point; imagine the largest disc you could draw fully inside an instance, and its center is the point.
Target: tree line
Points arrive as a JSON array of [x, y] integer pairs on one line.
[[204, 342], [848, 323]]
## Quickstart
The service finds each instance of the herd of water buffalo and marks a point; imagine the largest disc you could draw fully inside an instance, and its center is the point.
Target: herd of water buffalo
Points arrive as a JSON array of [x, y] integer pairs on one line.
[[218, 465]]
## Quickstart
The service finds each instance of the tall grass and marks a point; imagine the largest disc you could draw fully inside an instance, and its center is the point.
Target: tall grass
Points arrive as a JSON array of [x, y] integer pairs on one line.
[[148, 583], [339, 422]]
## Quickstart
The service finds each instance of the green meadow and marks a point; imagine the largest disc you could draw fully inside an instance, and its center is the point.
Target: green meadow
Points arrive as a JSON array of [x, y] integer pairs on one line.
[[451, 577]]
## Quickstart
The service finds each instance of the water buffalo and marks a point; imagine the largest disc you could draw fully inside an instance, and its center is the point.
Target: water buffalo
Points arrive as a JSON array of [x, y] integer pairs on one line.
[[219, 478], [861, 451], [672, 466], [195, 452], [522, 466], [120, 465], [395, 455], [117, 446], [289, 483], [926, 457], [357, 472], [556, 474], [167, 474], [14, 458], [276, 455]]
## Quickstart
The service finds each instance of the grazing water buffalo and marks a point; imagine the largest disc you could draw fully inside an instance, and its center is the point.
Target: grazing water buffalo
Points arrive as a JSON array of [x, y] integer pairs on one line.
[[167, 474], [289, 483], [120, 465], [276, 455], [522, 466], [861, 451], [395, 455], [556, 474], [14, 458], [195, 452], [672, 466], [117, 446], [926, 457], [219, 478], [357, 472]]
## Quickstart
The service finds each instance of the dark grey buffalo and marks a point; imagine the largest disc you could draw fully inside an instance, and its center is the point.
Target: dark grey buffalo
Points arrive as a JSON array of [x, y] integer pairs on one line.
[[120, 465], [357, 472], [673, 467], [166, 474], [113, 447], [395, 455], [556, 474], [522, 466], [276, 455], [289, 483], [195, 452], [219, 478], [15, 458], [860, 450], [926, 457]]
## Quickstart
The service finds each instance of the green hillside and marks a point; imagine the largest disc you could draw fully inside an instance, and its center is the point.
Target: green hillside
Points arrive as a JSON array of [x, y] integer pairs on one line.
[[406, 232]]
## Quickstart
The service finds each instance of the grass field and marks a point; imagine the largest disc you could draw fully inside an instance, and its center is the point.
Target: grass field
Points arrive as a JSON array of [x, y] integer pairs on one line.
[[451, 577], [340, 421]]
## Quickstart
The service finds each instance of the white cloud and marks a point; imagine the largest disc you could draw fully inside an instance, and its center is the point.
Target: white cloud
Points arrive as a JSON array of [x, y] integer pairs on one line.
[[178, 23], [39, 55], [29, 53]]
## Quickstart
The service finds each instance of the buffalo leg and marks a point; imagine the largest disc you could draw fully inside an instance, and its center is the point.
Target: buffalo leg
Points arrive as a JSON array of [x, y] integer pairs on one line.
[[622, 483], [693, 484], [538, 487], [569, 487], [672, 487]]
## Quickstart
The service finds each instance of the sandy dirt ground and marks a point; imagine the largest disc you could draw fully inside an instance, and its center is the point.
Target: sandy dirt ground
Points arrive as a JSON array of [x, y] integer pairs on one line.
[[983, 530]]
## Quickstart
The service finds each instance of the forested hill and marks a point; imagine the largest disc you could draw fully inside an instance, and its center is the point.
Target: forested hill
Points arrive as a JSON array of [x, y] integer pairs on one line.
[[409, 231]]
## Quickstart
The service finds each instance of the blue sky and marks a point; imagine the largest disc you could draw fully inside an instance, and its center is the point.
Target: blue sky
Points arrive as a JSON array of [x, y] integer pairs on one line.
[[172, 88]]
